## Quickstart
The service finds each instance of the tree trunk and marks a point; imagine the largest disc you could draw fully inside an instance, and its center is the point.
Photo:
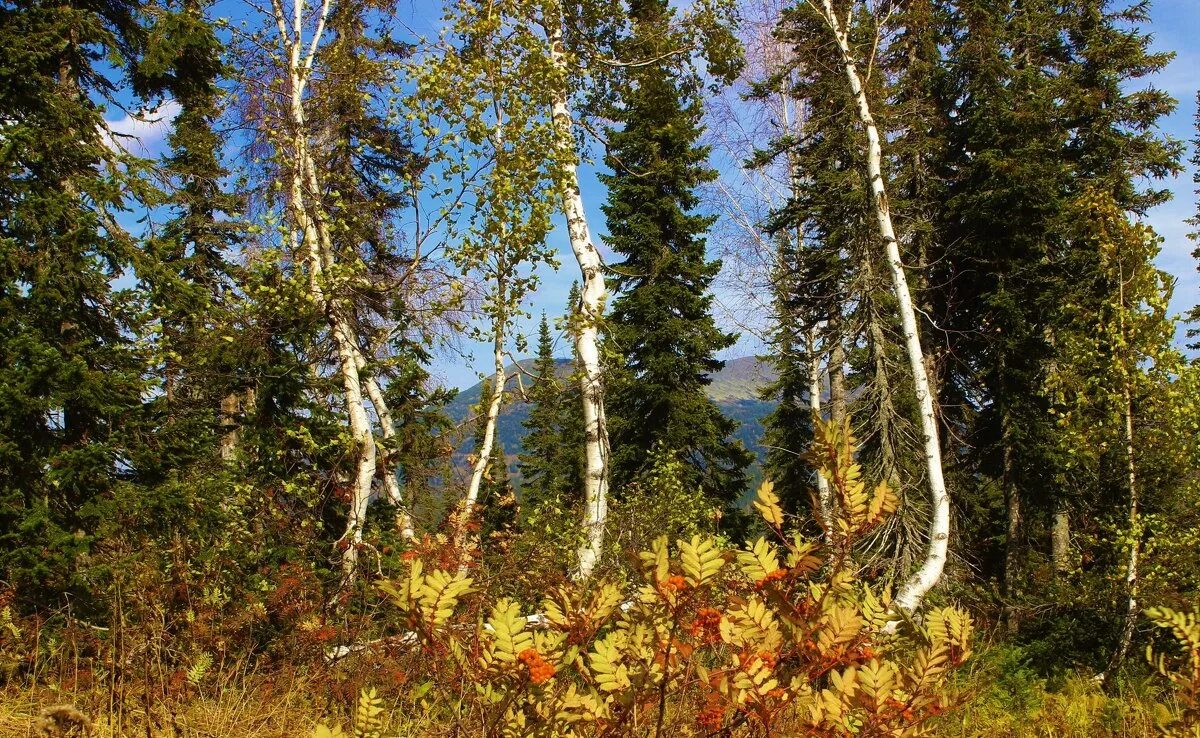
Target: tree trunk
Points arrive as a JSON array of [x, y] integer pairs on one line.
[[404, 520], [1135, 548], [304, 187], [915, 589], [837, 380], [824, 493], [591, 307], [484, 452], [1060, 540], [230, 404], [1012, 532]]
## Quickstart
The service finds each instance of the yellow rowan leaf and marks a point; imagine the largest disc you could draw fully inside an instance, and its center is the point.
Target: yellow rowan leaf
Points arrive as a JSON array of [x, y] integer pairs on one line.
[[842, 624], [507, 629], [438, 595], [656, 561], [605, 663], [759, 560], [701, 560], [767, 504], [883, 503]]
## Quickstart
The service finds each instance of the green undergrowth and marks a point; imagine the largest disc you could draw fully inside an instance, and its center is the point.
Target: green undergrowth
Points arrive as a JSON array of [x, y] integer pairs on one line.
[[1009, 698]]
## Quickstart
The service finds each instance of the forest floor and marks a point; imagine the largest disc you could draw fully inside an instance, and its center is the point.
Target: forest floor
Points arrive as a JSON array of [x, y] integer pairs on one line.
[[999, 701]]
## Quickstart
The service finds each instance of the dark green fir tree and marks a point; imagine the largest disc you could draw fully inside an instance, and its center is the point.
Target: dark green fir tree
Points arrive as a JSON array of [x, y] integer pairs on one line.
[[194, 283], [661, 323], [542, 474], [73, 377]]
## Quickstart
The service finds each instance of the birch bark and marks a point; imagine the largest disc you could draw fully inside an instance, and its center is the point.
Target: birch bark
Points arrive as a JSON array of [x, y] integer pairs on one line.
[[824, 493], [1135, 520], [315, 251], [404, 521], [914, 590], [484, 452], [591, 308]]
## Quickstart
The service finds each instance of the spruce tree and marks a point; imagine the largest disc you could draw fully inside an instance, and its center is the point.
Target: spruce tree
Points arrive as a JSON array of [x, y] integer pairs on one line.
[[661, 322], [827, 282], [73, 377], [1043, 107], [194, 283], [542, 475], [1009, 185], [788, 428]]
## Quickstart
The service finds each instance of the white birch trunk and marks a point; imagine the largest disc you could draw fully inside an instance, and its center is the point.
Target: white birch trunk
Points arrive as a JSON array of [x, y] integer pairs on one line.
[[303, 188], [1135, 549], [824, 493], [915, 589], [404, 519], [1135, 519], [484, 452], [593, 294]]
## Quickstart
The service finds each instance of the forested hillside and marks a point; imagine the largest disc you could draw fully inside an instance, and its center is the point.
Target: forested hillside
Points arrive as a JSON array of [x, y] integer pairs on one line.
[[737, 390], [249, 250]]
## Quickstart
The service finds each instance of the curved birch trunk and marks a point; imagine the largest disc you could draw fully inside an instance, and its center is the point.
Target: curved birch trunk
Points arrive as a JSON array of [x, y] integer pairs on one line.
[[915, 589], [593, 294], [404, 521]]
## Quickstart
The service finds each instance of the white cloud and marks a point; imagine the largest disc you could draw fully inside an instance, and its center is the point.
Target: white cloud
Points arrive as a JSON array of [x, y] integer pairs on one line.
[[141, 132]]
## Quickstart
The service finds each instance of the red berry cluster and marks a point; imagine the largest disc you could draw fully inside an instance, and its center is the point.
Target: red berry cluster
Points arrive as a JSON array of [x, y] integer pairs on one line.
[[767, 658], [707, 624], [539, 670], [772, 577], [673, 584], [712, 716]]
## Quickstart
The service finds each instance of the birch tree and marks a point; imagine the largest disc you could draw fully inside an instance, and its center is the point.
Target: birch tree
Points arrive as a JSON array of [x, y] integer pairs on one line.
[[341, 172], [913, 592], [1119, 363], [480, 82]]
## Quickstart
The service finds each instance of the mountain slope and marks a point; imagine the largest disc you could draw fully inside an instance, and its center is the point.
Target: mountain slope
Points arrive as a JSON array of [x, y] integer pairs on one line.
[[734, 389]]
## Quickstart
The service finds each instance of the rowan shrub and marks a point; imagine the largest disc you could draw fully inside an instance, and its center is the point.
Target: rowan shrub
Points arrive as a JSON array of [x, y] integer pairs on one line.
[[778, 637], [1182, 669]]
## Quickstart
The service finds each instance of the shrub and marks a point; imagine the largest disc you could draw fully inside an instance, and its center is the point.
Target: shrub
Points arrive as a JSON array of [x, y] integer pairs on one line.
[[1183, 672], [776, 637]]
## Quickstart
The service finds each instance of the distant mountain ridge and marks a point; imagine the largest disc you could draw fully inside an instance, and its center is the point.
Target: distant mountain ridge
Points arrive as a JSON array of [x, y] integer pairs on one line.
[[735, 389]]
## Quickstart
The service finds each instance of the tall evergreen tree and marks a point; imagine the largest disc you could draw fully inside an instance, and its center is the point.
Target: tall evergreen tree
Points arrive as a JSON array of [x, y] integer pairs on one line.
[[542, 476], [194, 281], [72, 374], [661, 322], [1043, 108], [1010, 181]]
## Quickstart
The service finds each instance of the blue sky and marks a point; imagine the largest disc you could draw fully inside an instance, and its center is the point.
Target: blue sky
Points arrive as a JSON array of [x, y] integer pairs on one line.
[[1175, 26]]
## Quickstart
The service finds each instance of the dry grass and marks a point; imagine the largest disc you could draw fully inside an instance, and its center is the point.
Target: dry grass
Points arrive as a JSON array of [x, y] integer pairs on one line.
[[257, 709]]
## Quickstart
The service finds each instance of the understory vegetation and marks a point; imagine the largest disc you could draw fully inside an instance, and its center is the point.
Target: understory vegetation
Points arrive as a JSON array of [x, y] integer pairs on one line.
[[372, 369]]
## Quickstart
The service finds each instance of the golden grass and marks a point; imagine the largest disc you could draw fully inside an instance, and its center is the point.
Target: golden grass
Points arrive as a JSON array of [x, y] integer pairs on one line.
[[253, 710]]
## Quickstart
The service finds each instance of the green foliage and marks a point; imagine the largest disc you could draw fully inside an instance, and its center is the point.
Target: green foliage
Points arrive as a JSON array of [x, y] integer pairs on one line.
[[661, 326], [74, 364], [776, 636], [551, 467]]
